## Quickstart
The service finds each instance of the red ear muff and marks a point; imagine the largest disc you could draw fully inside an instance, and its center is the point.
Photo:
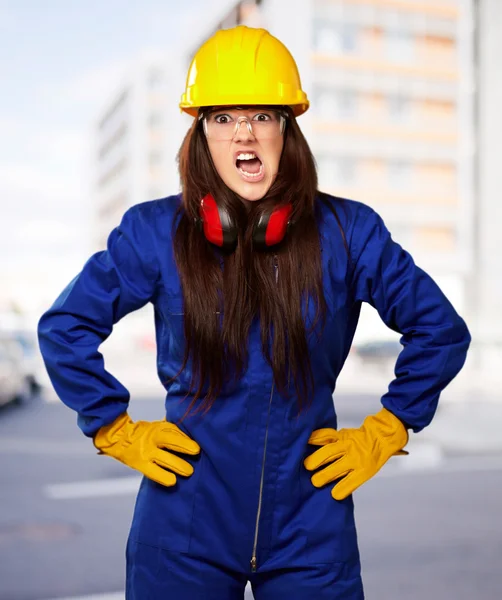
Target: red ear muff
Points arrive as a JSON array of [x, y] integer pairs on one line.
[[271, 228], [220, 230], [217, 224]]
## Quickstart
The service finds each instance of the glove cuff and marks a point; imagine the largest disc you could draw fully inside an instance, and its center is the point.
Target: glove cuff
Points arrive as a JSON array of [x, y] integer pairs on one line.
[[390, 429], [109, 436]]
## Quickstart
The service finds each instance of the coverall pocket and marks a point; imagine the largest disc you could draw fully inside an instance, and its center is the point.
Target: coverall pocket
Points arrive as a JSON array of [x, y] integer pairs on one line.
[[174, 322], [163, 515]]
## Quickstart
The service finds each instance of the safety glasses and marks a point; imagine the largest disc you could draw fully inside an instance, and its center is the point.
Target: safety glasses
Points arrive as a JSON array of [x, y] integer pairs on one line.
[[263, 123]]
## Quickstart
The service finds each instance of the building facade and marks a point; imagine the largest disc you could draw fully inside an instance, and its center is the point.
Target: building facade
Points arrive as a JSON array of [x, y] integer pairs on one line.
[[391, 106], [485, 290], [136, 139], [405, 116]]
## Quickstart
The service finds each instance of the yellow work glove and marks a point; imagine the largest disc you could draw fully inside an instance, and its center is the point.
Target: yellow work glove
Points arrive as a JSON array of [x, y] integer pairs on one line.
[[355, 455], [141, 446]]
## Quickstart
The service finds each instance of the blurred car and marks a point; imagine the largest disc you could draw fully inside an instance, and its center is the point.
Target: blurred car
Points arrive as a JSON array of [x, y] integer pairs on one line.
[[378, 352], [13, 384], [32, 363]]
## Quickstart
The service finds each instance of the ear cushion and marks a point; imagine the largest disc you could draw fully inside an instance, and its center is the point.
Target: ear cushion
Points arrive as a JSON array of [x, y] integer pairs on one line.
[[272, 228], [217, 225], [220, 230]]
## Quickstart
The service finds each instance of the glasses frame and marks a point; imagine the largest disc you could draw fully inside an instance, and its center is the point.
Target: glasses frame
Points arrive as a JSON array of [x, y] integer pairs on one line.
[[205, 113]]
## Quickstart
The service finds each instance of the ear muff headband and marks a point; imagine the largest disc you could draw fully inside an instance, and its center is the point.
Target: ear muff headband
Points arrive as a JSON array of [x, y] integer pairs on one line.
[[220, 230]]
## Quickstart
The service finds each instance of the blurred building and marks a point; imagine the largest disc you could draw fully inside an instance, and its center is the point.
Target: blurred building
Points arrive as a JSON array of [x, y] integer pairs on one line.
[[404, 116], [136, 139], [485, 291], [391, 110]]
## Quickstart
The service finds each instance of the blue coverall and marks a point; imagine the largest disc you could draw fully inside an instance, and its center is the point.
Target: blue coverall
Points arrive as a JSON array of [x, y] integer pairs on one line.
[[250, 494]]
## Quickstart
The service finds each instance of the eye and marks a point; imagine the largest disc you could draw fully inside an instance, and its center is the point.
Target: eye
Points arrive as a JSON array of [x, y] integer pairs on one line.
[[262, 117], [223, 119]]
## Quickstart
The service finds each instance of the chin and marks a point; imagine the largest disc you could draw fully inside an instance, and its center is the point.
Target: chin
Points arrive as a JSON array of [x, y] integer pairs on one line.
[[252, 192], [251, 197]]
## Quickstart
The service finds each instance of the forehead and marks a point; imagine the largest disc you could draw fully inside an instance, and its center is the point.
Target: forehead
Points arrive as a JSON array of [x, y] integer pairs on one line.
[[243, 110]]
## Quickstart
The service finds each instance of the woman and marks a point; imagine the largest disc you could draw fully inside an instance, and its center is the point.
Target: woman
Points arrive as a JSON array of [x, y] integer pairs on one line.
[[257, 280]]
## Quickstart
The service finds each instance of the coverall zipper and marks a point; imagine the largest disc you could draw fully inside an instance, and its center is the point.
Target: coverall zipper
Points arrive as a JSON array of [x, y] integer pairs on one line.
[[254, 564], [257, 526]]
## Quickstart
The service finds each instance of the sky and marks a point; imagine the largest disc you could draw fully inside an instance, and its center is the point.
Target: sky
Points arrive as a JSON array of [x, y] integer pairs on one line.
[[60, 61]]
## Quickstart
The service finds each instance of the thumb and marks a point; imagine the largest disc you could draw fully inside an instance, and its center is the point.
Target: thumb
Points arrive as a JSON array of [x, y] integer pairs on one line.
[[320, 437], [401, 453]]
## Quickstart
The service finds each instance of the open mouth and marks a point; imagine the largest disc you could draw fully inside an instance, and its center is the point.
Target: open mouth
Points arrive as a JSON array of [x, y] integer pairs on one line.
[[249, 166]]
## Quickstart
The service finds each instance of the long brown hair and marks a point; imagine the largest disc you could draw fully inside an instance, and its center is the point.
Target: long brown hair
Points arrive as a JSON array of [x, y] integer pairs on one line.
[[246, 287]]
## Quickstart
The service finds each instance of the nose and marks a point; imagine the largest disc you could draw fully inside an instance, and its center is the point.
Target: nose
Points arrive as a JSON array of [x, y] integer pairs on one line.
[[243, 133]]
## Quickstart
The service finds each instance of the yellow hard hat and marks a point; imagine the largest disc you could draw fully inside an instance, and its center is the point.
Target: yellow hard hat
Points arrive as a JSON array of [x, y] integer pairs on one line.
[[243, 66]]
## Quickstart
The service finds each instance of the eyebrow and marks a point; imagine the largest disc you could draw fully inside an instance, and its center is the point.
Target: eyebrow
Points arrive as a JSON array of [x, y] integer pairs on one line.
[[225, 109]]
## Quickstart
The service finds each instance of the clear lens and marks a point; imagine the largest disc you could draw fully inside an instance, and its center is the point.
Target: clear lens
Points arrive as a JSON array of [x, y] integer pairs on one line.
[[262, 124]]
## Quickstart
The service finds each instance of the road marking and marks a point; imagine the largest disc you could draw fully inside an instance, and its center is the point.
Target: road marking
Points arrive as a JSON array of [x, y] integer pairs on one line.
[[421, 455], [466, 464], [93, 489], [429, 463], [112, 596], [121, 596]]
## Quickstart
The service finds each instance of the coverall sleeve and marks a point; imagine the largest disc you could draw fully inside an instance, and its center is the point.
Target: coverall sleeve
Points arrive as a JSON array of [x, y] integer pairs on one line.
[[435, 338], [112, 283]]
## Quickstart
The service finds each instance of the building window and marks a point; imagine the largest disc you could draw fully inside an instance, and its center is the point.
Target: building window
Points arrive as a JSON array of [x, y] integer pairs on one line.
[[333, 38], [346, 103], [402, 233], [400, 174], [115, 108], [112, 173], [326, 172], [155, 158], [115, 140], [324, 39], [155, 78], [116, 204], [436, 239], [154, 119], [348, 37], [399, 46], [336, 104], [325, 103], [346, 170], [399, 107], [336, 171], [155, 192]]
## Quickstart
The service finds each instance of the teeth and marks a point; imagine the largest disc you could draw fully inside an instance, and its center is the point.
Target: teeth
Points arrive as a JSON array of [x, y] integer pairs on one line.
[[243, 156], [241, 170]]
